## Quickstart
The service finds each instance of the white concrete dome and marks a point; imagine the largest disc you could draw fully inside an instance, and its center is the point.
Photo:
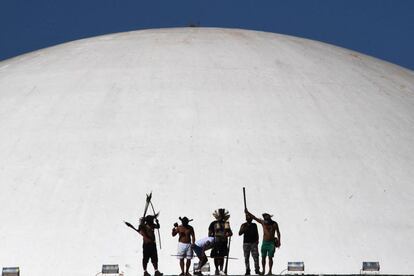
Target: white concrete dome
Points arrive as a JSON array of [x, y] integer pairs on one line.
[[320, 136]]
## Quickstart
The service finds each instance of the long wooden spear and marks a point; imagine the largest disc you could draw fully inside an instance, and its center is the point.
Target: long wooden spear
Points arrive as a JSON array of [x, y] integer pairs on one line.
[[147, 203], [158, 230]]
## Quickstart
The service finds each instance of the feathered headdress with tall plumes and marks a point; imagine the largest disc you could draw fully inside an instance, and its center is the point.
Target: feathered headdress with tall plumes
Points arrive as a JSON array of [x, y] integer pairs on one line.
[[221, 214]]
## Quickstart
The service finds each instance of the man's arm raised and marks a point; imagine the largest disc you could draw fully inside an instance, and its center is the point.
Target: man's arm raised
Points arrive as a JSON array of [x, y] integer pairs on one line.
[[253, 217], [174, 231]]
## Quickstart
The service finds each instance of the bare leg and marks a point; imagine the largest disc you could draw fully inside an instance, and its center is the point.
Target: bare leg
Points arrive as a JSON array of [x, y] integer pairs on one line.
[[182, 265], [217, 263], [264, 264], [270, 265], [187, 267], [221, 263]]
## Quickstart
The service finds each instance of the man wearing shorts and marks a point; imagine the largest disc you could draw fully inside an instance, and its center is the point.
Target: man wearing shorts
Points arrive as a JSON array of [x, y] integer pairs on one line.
[[199, 248], [270, 242], [186, 238], [146, 229]]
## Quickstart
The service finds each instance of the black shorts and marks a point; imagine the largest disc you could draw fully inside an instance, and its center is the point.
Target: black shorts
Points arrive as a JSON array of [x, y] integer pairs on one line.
[[219, 249], [149, 251]]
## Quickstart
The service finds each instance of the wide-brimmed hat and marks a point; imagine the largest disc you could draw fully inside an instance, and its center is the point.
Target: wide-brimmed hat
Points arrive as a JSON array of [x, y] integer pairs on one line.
[[185, 220]]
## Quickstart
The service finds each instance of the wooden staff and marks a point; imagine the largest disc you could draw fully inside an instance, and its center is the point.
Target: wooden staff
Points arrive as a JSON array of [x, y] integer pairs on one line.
[[244, 198], [227, 257], [147, 203]]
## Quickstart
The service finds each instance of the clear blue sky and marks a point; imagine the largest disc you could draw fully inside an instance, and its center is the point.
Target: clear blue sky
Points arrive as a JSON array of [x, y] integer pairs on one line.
[[380, 28]]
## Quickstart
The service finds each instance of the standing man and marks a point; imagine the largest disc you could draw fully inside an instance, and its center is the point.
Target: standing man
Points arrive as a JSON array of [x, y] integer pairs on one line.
[[220, 230], [186, 238], [146, 229], [270, 242], [250, 243]]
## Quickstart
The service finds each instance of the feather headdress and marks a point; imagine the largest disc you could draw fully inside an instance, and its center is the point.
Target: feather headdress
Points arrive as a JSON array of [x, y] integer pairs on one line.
[[221, 214]]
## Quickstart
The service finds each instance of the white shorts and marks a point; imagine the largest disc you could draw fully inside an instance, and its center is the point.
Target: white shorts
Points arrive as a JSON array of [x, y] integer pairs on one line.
[[184, 250]]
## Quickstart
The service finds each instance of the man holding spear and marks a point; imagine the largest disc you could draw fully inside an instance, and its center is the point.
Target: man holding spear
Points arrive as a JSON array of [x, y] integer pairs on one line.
[[250, 244], [146, 229], [221, 231], [250, 240]]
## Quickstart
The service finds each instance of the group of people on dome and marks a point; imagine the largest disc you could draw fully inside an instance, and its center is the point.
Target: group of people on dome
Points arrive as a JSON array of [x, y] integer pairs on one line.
[[219, 233]]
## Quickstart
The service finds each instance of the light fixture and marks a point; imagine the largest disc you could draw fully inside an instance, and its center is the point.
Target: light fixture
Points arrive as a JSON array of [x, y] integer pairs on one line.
[[110, 269], [370, 267], [10, 271], [296, 267]]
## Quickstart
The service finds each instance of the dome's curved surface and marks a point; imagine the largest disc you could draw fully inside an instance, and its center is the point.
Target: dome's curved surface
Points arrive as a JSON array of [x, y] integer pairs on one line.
[[320, 136]]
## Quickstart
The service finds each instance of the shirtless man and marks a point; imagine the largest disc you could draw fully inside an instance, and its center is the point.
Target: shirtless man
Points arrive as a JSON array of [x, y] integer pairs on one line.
[[270, 242], [186, 238], [146, 229]]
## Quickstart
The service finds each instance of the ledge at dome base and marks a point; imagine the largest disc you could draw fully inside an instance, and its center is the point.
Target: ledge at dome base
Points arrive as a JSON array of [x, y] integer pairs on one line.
[[357, 274]]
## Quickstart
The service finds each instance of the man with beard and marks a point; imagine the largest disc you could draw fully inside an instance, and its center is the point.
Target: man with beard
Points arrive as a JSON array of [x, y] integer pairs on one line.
[[186, 238], [146, 229], [220, 230], [270, 242]]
